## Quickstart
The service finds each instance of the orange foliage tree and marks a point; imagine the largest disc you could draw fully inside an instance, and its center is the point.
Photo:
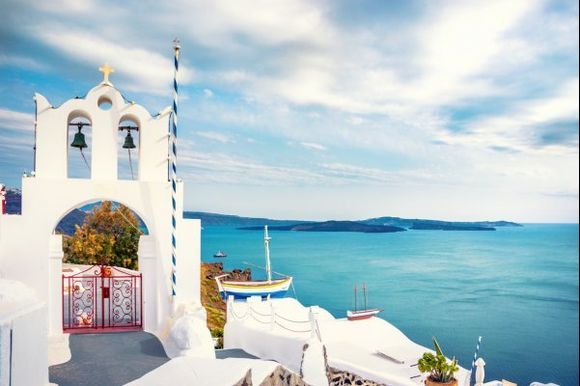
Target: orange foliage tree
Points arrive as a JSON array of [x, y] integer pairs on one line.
[[109, 235]]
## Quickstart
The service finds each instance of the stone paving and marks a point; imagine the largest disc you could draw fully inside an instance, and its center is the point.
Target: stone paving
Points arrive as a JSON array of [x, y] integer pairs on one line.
[[108, 359]]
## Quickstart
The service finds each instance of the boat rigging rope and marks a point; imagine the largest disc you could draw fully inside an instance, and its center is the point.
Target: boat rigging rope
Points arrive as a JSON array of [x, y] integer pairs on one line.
[[293, 290], [262, 268]]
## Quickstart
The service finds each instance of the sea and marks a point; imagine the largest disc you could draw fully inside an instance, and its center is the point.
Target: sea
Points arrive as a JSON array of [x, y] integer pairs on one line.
[[516, 287]]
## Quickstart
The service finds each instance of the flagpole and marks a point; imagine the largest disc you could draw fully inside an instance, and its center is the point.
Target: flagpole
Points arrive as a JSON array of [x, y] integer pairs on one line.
[[173, 136]]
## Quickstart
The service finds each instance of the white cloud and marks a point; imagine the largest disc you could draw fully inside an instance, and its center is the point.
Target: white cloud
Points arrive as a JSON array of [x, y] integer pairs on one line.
[[460, 44], [226, 168], [14, 120], [74, 7], [313, 146], [222, 168], [22, 62], [215, 136], [357, 173], [147, 71], [221, 23], [473, 74], [521, 127]]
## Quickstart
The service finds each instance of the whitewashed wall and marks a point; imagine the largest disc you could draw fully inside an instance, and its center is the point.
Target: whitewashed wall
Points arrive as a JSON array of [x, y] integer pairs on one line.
[[29, 251], [23, 331]]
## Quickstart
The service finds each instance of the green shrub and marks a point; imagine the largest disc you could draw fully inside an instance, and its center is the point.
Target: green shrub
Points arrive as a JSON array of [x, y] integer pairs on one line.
[[437, 365]]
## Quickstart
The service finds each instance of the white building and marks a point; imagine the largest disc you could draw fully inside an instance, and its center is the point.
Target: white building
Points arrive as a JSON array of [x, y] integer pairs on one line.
[[31, 252]]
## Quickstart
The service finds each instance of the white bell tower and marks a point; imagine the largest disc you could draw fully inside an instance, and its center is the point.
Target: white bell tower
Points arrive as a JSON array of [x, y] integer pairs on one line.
[[31, 252]]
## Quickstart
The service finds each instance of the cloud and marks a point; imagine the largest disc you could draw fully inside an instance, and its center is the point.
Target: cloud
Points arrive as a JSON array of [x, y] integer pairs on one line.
[[563, 195], [215, 136], [146, 70], [313, 146], [228, 25], [22, 62], [548, 124], [349, 172], [562, 132], [16, 143], [223, 168], [14, 120], [218, 167], [474, 93]]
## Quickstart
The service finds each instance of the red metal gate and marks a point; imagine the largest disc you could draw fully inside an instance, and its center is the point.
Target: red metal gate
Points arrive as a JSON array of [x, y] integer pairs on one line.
[[102, 298]]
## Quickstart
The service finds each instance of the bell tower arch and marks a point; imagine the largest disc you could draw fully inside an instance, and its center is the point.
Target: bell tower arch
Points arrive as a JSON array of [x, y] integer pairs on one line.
[[50, 193]]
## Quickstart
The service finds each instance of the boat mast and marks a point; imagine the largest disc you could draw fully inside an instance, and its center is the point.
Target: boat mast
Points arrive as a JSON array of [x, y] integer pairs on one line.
[[365, 295], [355, 299], [267, 248]]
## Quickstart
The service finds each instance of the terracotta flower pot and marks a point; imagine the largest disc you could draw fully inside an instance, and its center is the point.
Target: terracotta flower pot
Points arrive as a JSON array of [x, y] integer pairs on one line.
[[431, 382]]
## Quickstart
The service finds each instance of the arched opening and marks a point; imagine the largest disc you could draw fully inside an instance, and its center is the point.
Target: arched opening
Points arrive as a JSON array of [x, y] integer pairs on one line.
[[79, 141], [101, 282], [105, 103], [128, 148], [101, 232]]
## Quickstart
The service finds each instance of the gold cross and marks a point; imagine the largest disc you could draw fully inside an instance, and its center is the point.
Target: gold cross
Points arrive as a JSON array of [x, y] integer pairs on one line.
[[106, 70]]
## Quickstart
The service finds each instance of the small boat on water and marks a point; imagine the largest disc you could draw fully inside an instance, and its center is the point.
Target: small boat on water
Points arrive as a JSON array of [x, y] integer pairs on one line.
[[361, 314], [263, 288], [220, 253]]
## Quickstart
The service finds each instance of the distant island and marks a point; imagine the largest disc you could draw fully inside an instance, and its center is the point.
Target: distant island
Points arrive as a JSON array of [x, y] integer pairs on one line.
[[425, 226], [332, 226], [384, 224]]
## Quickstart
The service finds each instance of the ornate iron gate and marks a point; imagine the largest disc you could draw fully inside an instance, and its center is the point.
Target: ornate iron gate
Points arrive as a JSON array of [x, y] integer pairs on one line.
[[102, 298]]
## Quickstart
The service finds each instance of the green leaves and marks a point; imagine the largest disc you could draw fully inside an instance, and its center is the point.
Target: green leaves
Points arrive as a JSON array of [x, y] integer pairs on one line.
[[437, 347], [108, 235], [436, 364]]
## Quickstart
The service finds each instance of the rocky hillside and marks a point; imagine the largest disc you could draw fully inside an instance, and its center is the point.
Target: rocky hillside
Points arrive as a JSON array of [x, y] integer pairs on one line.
[[210, 297]]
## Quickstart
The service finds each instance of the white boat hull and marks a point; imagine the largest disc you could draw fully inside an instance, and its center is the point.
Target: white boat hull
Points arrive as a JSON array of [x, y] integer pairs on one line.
[[364, 314], [245, 289]]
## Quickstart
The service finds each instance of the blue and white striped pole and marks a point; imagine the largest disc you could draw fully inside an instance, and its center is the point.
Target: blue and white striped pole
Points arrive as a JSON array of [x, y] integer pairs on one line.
[[475, 355], [176, 48]]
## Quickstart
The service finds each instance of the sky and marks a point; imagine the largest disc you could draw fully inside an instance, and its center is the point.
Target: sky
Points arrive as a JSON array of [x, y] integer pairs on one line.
[[308, 109]]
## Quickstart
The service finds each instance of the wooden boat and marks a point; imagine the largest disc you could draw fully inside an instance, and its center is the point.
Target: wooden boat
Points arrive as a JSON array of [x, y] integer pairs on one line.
[[361, 314], [263, 288]]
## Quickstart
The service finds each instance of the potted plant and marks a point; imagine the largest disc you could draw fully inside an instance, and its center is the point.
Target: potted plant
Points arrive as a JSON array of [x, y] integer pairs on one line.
[[440, 370]]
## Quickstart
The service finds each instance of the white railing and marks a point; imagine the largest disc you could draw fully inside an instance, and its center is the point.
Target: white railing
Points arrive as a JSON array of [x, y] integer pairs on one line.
[[275, 319]]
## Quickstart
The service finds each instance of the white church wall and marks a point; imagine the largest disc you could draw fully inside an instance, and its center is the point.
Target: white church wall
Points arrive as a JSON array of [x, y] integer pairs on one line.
[[189, 236], [30, 348], [31, 253], [23, 332], [151, 201], [55, 256]]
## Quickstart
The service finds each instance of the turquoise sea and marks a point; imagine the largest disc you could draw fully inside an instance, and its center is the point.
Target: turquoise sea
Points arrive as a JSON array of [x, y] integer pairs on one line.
[[516, 287]]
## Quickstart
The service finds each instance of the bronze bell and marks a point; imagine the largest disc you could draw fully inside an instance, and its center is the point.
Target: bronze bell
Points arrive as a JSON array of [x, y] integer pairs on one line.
[[129, 144], [79, 140]]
